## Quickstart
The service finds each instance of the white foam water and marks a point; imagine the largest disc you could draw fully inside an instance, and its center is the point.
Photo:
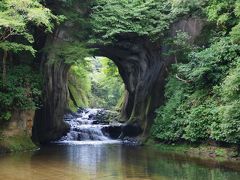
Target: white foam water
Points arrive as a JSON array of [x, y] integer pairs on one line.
[[84, 131]]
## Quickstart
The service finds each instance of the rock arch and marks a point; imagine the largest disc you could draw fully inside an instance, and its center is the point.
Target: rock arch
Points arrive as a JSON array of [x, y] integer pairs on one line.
[[142, 67]]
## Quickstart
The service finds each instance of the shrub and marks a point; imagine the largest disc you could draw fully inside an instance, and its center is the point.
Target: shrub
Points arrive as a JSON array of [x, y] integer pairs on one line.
[[22, 91]]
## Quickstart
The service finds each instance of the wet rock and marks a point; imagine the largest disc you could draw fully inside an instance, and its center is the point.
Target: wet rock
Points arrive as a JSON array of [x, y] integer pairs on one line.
[[107, 116], [4, 150], [131, 141], [100, 122], [70, 116], [112, 131], [91, 116], [80, 110], [131, 130], [49, 124]]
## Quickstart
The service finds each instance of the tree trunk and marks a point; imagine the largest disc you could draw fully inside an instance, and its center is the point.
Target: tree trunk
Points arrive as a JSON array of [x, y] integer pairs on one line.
[[4, 71]]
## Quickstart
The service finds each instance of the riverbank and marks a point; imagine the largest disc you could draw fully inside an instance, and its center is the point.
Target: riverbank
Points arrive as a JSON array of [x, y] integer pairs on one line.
[[16, 143], [203, 151], [15, 134]]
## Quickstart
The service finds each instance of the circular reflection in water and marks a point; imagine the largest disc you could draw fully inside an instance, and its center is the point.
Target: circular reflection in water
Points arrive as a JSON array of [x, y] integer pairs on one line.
[[109, 162]]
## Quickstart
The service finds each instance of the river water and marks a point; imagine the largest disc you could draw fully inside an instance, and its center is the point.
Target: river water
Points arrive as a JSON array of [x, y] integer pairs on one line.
[[83, 155], [107, 162]]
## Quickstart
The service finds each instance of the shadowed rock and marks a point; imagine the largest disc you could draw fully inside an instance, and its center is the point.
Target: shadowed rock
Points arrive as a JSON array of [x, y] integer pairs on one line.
[[112, 131]]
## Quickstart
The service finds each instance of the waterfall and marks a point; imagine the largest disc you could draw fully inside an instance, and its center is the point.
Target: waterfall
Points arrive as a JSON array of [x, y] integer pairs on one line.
[[85, 128]]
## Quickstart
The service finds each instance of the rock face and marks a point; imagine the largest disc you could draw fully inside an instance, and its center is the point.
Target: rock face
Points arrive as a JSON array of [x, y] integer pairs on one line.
[[49, 124], [16, 133], [20, 122], [77, 95]]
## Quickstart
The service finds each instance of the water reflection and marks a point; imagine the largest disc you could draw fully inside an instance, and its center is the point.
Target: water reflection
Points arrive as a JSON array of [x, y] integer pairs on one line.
[[108, 162]]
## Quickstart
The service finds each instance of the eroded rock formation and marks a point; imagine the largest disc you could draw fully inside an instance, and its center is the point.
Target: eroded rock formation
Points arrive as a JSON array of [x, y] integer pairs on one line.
[[142, 67], [49, 124], [16, 133], [142, 70], [21, 122]]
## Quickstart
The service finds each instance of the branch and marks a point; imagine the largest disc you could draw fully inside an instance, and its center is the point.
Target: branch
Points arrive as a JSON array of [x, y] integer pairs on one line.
[[10, 32], [183, 80], [3, 35]]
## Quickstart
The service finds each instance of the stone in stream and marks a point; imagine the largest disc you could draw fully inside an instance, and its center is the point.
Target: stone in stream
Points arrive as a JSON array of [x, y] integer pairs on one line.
[[131, 130], [112, 131]]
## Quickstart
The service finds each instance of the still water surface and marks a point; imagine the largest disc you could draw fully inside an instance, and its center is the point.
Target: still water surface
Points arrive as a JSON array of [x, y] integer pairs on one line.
[[97, 161]]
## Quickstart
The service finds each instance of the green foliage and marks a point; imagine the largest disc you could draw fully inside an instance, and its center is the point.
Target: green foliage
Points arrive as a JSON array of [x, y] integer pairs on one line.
[[221, 11], [79, 84], [22, 91], [78, 18], [22, 88], [204, 102], [169, 124], [209, 66], [72, 48], [143, 17], [206, 107], [198, 121], [16, 47], [14, 18], [21, 142], [107, 85], [227, 128], [230, 88], [94, 82], [226, 14], [71, 52], [179, 46]]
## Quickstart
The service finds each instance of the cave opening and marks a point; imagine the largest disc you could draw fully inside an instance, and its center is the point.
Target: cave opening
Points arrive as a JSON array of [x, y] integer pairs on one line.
[[95, 83], [96, 95]]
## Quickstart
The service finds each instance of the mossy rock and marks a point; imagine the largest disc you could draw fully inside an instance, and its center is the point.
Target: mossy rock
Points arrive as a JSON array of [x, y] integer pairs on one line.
[[79, 88], [16, 143], [72, 107], [107, 116]]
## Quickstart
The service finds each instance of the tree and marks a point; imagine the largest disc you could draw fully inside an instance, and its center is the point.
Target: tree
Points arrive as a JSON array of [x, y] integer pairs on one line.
[[15, 16]]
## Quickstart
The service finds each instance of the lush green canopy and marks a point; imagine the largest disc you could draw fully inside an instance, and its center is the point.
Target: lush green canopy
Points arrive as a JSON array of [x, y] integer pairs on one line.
[[204, 102], [143, 17], [15, 17]]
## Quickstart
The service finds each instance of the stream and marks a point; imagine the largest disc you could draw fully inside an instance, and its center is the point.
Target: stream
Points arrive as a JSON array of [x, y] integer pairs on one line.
[[87, 152]]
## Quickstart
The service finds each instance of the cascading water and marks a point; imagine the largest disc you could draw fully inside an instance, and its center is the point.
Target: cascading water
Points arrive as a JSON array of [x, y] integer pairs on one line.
[[85, 128]]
